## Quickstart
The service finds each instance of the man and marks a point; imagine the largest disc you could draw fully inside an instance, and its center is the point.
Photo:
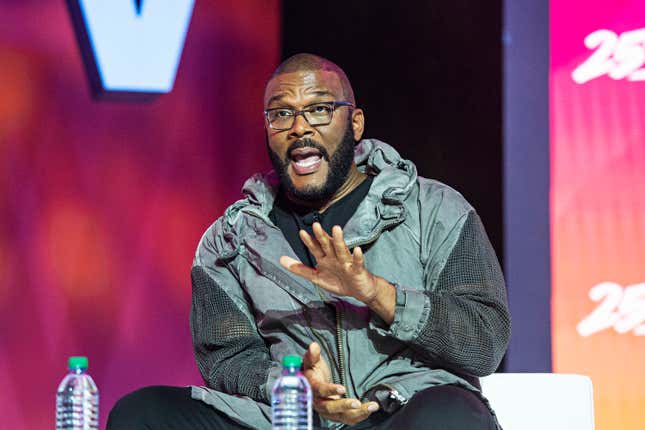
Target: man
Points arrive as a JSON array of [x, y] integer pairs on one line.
[[384, 281]]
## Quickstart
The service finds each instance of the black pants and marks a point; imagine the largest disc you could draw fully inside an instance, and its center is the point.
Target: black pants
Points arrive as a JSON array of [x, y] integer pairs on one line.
[[171, 408]]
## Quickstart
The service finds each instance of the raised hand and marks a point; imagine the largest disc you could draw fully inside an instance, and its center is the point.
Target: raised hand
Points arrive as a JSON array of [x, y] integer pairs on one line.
[[338, 271], [327, 399]]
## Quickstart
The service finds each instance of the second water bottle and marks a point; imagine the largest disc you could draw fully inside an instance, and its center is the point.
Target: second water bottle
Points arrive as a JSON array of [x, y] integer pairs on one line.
[[291, 398]]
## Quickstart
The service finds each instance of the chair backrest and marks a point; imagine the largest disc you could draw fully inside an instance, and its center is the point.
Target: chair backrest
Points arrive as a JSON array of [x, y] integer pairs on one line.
[[540, 401]]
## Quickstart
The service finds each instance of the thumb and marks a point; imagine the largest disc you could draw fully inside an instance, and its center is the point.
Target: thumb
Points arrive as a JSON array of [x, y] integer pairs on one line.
[[312, 356]]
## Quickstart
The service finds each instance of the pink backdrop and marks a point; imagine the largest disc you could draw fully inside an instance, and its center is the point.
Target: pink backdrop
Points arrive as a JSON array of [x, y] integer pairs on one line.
[[103, 203], [598, 202]]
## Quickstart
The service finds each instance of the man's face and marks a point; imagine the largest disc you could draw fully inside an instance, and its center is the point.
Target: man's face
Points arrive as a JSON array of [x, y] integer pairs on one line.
[[313, 162]]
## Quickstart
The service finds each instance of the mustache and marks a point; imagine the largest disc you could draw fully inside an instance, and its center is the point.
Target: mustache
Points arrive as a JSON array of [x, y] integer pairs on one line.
[[307, 143]]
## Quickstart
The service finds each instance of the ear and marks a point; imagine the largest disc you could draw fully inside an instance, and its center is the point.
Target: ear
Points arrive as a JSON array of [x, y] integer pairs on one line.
[[358, 123]]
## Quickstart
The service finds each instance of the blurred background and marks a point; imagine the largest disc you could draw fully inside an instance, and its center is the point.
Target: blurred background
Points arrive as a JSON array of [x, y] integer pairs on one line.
[[102, 202]]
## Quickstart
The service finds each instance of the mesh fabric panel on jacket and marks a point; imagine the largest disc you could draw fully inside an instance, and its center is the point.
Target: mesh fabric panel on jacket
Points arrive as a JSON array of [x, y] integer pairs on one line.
[[230, 354], [461, 334]]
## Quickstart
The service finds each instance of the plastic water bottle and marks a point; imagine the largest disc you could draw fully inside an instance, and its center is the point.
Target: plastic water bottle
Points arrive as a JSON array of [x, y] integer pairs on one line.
[[291, 398], [77, 399]]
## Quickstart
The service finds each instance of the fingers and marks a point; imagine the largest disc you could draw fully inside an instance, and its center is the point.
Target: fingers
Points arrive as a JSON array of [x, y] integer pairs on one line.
[[322, 244], [320, 387], [312, 244], [327, 401], [312, 356], [340, 247], [323, 239], [333, 407], [357, 257], [347, 411], [296, 267], [326, 391], [357, 415]]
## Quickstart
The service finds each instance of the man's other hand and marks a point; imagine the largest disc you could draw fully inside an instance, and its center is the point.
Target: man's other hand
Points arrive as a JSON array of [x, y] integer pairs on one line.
[[327, 399]]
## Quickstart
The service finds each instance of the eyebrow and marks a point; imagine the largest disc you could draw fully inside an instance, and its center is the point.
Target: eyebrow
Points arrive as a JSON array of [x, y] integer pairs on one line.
[[317, 93]]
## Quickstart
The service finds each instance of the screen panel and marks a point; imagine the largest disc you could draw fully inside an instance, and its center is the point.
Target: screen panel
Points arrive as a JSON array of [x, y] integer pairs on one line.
[[598, 202]]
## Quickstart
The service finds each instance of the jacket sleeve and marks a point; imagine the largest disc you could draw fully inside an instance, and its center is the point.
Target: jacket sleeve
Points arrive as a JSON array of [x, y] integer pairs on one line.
[[460, 320], [230, 354]]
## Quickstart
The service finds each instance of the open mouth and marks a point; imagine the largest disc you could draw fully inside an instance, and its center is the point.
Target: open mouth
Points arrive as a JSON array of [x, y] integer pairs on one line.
[[305, 160]]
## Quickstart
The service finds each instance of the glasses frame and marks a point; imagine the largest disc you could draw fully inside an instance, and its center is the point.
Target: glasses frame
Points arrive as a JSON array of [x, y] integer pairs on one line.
[[296, 112]]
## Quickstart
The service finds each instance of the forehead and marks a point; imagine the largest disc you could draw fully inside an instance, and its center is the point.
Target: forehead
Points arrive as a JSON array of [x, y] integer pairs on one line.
[[302, 85]]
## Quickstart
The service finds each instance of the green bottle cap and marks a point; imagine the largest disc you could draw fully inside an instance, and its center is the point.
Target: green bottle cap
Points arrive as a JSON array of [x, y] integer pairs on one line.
[[77, 363], [291, 361]]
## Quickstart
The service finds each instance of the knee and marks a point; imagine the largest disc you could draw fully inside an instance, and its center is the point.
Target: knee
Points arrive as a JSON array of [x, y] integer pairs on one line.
[[455, 407], [456, 400], [133, 409]]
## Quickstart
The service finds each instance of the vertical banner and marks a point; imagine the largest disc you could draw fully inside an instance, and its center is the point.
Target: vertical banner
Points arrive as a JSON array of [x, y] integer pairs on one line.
[[598, 202]]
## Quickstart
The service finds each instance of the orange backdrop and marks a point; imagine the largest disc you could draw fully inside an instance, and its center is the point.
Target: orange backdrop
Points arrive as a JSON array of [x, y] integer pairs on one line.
[[598, 202]]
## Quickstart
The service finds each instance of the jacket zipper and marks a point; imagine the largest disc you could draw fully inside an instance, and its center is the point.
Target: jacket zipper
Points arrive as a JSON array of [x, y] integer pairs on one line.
[[337, 367], [340, 346], [339, 313], [323, 344]]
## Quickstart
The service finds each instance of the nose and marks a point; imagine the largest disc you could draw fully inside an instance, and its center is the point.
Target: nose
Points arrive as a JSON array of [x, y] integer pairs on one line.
[[300, 127]]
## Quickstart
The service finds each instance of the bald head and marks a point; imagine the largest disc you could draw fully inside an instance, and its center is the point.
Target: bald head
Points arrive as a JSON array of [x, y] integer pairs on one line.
[[311, 63]]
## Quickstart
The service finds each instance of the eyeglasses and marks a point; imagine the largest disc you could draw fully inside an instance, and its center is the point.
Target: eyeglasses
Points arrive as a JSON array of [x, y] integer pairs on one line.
[[282, 118]]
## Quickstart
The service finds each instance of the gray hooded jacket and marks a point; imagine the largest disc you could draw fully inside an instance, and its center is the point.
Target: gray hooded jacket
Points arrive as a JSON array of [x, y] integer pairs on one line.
[[451, 322]]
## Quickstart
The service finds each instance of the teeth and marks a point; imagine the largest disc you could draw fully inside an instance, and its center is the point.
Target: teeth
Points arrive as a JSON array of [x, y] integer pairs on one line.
[[309, 161]]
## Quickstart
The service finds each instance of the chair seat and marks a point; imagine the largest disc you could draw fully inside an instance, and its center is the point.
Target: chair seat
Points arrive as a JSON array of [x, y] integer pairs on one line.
[[539, 401]]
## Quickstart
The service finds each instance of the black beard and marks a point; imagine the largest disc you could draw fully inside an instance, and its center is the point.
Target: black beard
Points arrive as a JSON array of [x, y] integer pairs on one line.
[[339, 166]]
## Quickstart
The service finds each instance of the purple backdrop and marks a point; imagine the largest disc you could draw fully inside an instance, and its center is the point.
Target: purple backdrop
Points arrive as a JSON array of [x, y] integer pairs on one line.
[[102, 203]]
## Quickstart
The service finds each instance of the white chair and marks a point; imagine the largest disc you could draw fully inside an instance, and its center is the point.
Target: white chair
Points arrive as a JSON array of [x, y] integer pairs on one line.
[[540, 401]]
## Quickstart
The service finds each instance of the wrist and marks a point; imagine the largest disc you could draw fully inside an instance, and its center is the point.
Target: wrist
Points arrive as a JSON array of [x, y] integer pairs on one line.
[[378, 291], [384, 300]]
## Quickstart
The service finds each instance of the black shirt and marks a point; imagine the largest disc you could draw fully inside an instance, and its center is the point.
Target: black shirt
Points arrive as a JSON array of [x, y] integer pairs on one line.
[[291, 218]]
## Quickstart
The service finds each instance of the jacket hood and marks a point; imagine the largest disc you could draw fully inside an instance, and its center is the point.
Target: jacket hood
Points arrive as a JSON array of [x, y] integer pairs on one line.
[[393, 182]]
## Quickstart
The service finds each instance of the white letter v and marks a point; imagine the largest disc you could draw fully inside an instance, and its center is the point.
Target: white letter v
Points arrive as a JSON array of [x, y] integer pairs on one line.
[[135, 45]]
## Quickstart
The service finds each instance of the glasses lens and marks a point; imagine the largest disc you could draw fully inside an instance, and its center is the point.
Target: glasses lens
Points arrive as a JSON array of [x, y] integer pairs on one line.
[[316, 114], [280, 119], [319, 114]]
